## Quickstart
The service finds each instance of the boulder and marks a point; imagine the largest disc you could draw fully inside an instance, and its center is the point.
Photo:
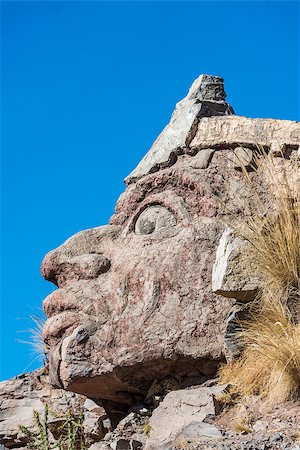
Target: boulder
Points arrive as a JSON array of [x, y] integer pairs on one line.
[[239, 131], [243, 158], [182, 417], [129, 434]]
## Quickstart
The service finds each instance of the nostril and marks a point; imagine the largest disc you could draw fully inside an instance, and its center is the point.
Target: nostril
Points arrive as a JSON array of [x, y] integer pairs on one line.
[[91, 265]]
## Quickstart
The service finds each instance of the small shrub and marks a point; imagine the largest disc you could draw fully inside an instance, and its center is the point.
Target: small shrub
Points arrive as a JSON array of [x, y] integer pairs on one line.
[[40, 439], [147, 428], [71, 434]]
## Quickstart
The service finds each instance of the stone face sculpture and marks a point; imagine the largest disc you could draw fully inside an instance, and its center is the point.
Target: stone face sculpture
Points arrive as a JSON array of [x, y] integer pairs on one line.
[[135, 301]]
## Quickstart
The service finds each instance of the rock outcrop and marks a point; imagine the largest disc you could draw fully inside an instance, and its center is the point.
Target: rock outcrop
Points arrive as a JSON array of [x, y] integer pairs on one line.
[[22, 395], [146, 305]]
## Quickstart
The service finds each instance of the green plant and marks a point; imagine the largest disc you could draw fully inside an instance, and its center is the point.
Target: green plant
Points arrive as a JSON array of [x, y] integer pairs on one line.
[[71, 433], [147, 428], [40, 439]]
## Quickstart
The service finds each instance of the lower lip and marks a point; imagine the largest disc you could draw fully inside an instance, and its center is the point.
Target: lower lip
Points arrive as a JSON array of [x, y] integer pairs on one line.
[[59, 325]]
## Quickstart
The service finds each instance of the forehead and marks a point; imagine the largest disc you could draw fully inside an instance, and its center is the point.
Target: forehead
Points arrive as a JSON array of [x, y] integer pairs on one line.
[[218, 131], [204, 168], [198, 179]]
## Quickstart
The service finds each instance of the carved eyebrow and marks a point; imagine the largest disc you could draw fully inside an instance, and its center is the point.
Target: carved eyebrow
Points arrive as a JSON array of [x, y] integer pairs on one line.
[[167, 199], [154, 185]]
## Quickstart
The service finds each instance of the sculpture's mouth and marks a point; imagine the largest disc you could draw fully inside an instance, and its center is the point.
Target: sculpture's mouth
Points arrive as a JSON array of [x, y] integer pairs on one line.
[[59, 326], [63, 317]]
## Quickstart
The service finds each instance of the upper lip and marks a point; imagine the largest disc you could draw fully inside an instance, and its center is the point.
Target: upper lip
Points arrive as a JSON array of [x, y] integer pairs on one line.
[[58, 302]]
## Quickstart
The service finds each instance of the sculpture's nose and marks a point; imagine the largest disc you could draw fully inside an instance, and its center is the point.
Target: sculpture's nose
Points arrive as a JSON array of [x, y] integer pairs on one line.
[[62, 271], [84, 256]]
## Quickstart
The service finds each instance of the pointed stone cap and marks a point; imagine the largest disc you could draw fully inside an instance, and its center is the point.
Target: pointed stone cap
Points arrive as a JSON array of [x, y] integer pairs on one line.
[[205, 98]]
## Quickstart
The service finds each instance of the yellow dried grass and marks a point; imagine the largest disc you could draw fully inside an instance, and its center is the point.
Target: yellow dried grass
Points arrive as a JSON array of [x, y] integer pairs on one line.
[[270, 363]]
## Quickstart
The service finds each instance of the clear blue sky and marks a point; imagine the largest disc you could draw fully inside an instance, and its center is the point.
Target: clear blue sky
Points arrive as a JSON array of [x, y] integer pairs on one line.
[[86, 88]]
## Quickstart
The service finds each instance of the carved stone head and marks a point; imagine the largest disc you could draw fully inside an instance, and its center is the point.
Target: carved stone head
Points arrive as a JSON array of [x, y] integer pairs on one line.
[[135, 301]]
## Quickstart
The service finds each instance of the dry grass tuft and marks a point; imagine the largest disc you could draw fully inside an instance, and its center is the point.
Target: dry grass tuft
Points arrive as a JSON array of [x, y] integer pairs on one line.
[[225, 398], [270, 363], [243, 426], [274, 232], [35, 335]]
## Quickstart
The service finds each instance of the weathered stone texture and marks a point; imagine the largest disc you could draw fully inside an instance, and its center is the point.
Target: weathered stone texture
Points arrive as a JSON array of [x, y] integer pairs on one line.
[[20, 396], [243, 130], [205, 98], [190, 129], [181, 418], [231, 275]]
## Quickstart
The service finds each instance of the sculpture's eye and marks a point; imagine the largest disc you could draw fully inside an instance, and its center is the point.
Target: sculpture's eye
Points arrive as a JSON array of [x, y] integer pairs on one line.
[[154, 218]]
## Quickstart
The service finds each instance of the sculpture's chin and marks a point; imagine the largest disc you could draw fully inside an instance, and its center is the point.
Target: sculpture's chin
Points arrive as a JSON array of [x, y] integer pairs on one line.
[[54, 365], [60, 358], [79, 364]]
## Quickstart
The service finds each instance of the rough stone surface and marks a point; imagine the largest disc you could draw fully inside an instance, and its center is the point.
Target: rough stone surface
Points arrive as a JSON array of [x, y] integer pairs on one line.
[[278, 430], [111, 336], [129, 434], [21, 395], [243, 157], [181, 416], [205, 98], [230, 275], [99, 446], [244, 132], [228, 131]]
